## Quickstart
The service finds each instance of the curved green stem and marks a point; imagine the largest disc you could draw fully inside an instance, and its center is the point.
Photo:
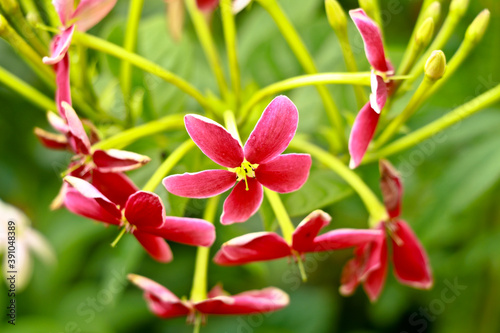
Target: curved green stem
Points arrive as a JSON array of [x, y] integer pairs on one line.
[[230, 122], [279, 209], [120, 235], [168, 165], [302, 81], [231, 47], [373, 205]]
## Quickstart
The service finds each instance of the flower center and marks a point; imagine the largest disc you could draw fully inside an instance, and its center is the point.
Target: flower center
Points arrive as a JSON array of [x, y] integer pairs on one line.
[[246, 169]]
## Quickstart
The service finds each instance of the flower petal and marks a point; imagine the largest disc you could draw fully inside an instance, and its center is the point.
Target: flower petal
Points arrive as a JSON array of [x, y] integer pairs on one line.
[[285, 173], [344, 238], [392, 188], [202, 184], [308, 229], [362, 133], [379, 93], [90, 12], [64, 9], [241, 204], [375, 274], [115, 186], [63, 90], [252, 247], [114, 160], [78, 204], [214, 141], [59, 46], [145, 209], [78, 139], [372, 38], [239, 5], [253, 301], [155, 246], [51, 140], [411, 265], [273, 132], [184, 230], [207, 5], [58, 123]]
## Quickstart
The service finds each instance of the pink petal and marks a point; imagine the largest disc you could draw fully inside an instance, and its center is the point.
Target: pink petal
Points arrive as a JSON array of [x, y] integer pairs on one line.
[[285, 173], [144, 210], [161, 301], [214, 141], [207, 5], [379, 93], [374, 280], [51, 140], [308, 229], [239, 5], [59, 46], [78, 139], [185, 230], [78, 204], [90, 192], [58, 123], [64, 9], [362, 133], [256, 246], [392, 188], [115, 186], [273, 132], [202, 184], [372, 38], [344, 238], [217, 290], [90, 12], [63, 90], [411, 265], [254, 301], [114, 160], [241, 204], [155, 246]]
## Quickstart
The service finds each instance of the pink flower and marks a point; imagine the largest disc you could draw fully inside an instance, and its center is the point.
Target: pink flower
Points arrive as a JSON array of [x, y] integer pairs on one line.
[[261, 246], [367, 119], [369, 266], [163, 303], [257, 163], [114, 199], [210, 5]]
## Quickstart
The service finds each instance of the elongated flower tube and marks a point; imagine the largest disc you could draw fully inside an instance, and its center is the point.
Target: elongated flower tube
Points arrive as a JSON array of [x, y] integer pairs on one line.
[[262, 246], [259, 163], [410, 261], [163, 303], [114, 199]]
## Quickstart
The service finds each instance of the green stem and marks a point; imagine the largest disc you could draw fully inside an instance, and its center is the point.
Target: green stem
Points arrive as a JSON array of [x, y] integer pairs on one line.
[[301, 81], [27, 91], [140, 62], [466, 110], [231, 47], [125, 138], [169, 163], [129, 44], [197, 323], [34, 19], [305, 59], [375, 208], [207, 43], [51, 13], [279, 209], [230, 122], [120, 235]]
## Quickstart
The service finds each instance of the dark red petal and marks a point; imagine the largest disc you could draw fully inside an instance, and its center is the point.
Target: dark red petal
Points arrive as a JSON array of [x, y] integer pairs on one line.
[[241, 204], [273, 132], [362, 133], [78, 138], [285, 173], [144, 210], [51, 140], [392, 188], [254, 301], [202, 184], [214, 141], [343, 238], [256, 246], [374, 278], [155, 246], [78, 204], [185, 230], [115, 186], [114, 160], [411, 265], [308, 229], [207, 5]]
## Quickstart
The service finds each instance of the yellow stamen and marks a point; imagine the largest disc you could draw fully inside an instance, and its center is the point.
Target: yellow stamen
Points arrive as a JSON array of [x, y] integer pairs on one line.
[[245, 170]]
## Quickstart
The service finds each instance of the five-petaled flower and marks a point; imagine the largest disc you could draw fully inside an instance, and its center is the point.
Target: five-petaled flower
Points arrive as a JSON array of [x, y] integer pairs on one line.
[[366, 121], [163, 303], [257, 163], [369, 266], [260, 246], [114, 199]]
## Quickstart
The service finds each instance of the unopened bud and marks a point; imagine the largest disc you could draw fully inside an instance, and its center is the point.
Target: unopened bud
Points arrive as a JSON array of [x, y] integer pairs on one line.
[[477, 28], [458, 7], [4, 25], [434, 11], [368, 5], [435, 65], [425, 33], [392, 188], [335, 14]]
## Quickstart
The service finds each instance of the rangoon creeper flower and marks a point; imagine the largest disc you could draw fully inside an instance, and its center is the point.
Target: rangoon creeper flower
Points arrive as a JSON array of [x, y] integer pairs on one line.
[[116, 200], [87, 14], [163, 303], [369, 266], [261, 246], [210, 5], [26, 240], [366, 121], [257, 163]]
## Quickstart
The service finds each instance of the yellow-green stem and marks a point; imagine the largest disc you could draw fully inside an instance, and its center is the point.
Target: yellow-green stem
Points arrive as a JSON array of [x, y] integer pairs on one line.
[[51, 13], [120, 235], [231, 47], [230, 122], [34, 19], [279, 209]]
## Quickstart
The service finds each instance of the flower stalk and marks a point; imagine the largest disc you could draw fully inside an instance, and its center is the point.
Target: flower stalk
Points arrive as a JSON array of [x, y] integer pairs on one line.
[[231, 47]]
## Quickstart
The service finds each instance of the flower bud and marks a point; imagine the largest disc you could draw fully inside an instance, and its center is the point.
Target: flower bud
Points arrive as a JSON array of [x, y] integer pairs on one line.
[[477, 28], [436, 65], [434, 11], [425, 33], [335, 14], [458, 7]]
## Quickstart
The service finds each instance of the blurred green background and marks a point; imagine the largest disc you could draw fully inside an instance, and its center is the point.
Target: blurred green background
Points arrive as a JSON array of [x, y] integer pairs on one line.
[[451, 189]]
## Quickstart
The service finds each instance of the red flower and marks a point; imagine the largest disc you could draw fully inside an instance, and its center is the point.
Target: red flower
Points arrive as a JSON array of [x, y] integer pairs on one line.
[[369, 266], [210, 5], [163, 303], [260, 246], [257, 163], [114, 199]]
